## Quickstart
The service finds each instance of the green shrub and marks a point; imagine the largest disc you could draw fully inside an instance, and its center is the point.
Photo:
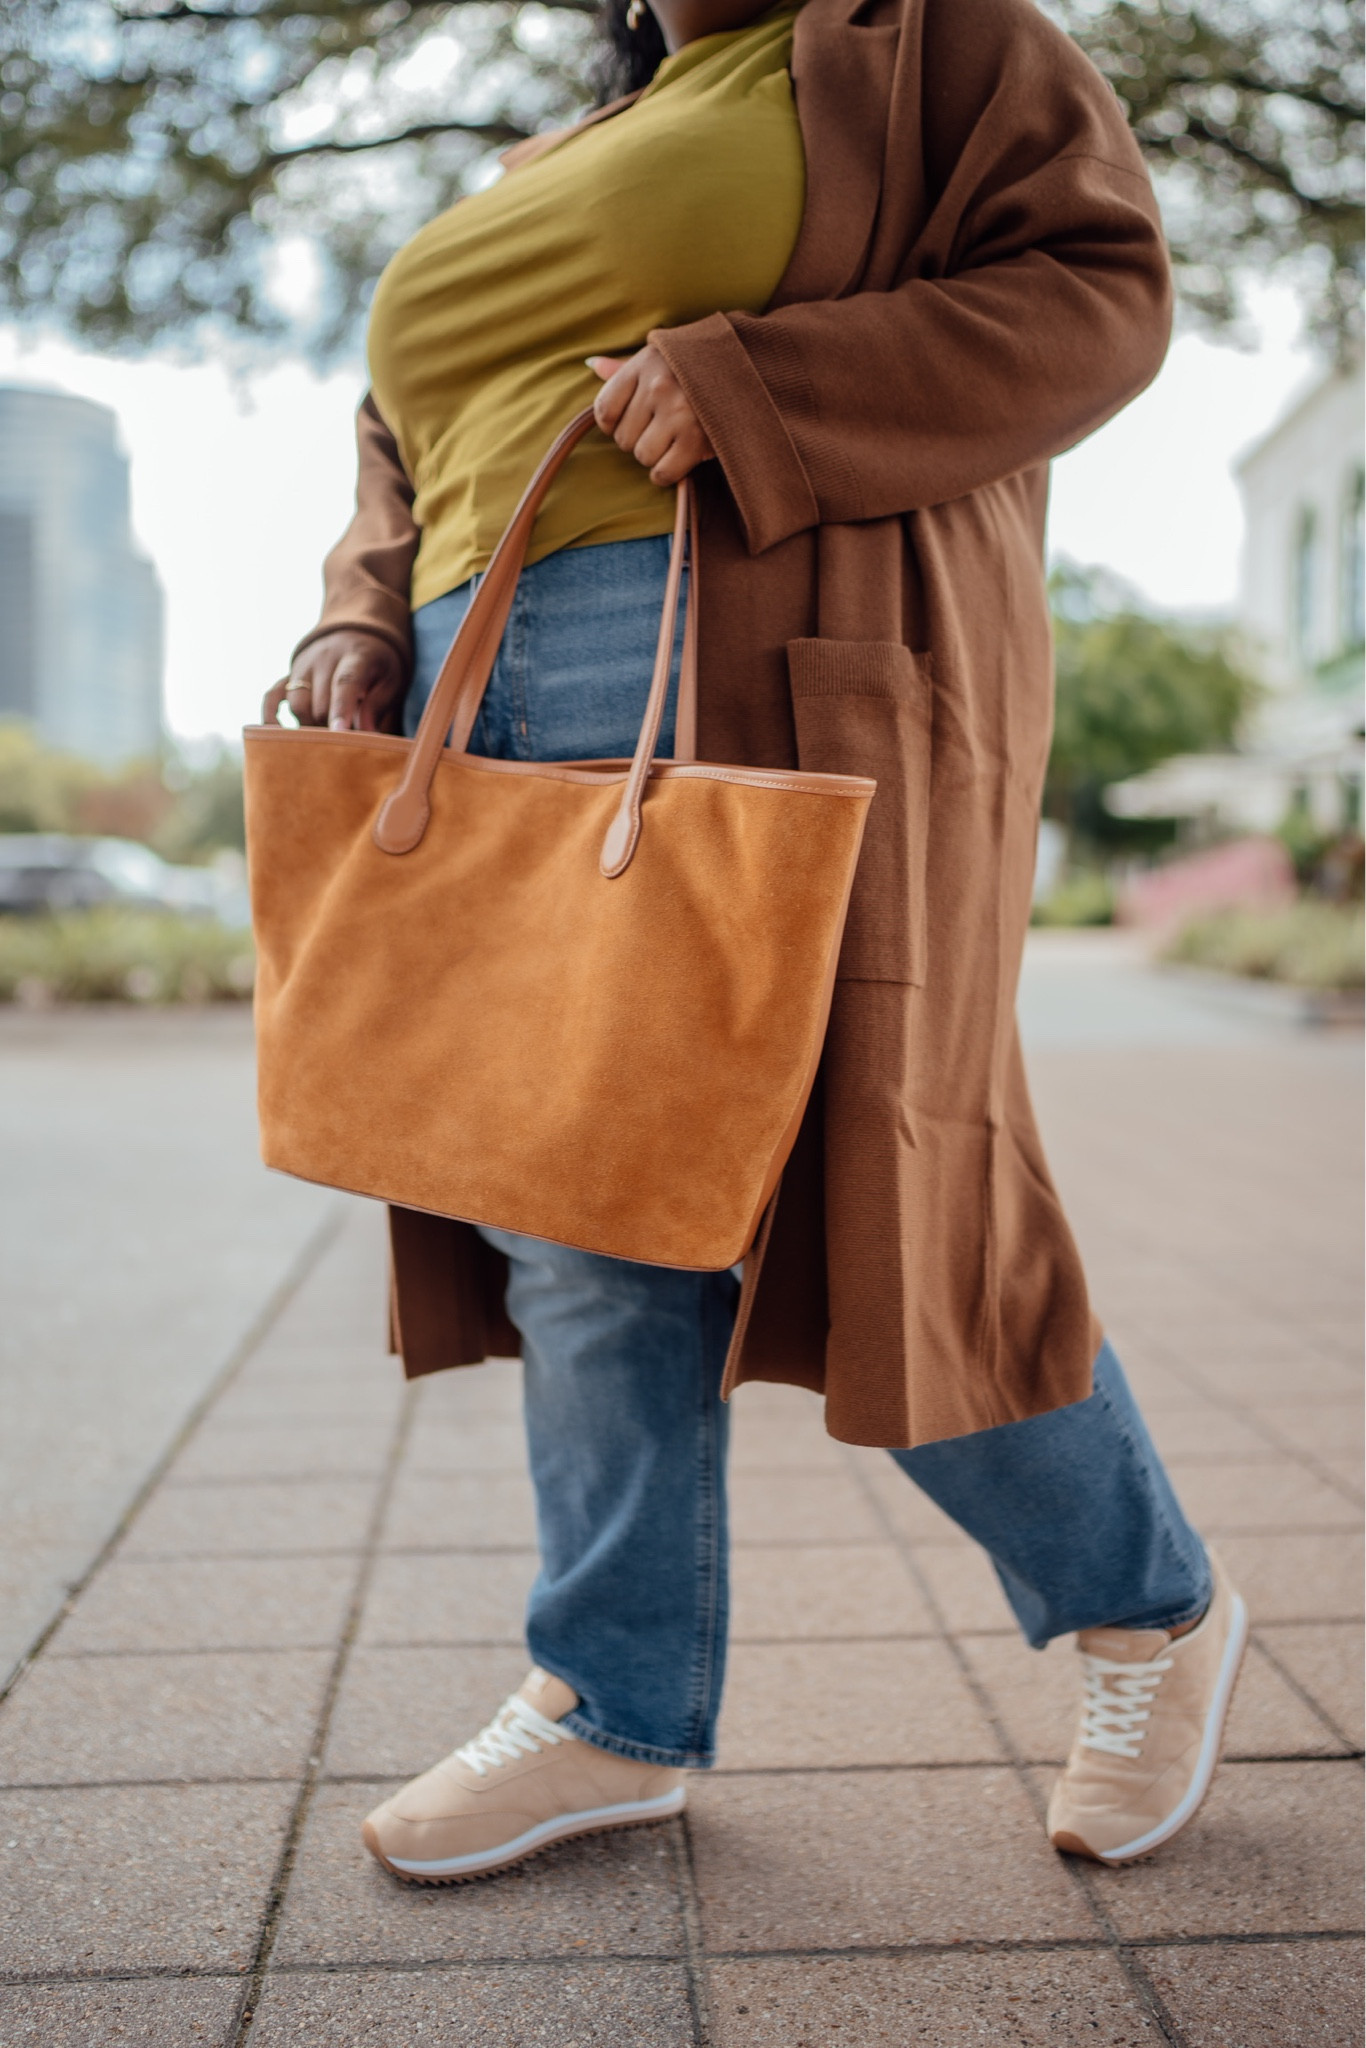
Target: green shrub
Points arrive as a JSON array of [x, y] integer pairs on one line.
[[1311, 945], [131, 956], [185, 812], [1081, 899]]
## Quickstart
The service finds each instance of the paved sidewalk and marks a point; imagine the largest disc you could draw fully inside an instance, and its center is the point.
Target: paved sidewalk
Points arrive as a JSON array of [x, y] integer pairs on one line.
[[322, 1593]]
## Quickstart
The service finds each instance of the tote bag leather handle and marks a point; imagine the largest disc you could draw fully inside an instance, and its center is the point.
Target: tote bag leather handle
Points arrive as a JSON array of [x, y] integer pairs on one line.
[[459, 688]]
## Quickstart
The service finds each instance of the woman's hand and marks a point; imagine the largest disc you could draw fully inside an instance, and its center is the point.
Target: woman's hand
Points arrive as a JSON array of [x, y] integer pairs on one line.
[[644, 408], [343, 679]]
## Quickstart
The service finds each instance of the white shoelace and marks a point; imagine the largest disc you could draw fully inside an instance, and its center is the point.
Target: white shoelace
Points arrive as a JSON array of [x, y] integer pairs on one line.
[[516, 1730], [1119, 1699]]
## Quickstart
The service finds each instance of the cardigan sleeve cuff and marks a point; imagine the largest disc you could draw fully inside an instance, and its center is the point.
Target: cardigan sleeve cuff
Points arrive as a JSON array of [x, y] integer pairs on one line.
[[771, 488], [400, 641]]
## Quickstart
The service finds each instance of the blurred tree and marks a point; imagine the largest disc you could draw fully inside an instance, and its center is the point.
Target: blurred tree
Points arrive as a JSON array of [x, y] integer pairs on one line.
[[186, 812], [1249, 113], [205, 812], [251, 164], [40, 789], [1132, 691]]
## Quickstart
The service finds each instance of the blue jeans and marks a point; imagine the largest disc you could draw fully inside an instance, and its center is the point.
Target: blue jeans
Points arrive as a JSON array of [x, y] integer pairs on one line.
[[626, 1429], [570, 680]]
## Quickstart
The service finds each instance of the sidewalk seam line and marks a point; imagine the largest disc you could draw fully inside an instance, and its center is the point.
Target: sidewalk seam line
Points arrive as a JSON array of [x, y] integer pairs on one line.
[[1140, 1983], [690, 1915], [319, 1241], [1046, 1763], [249, 2003], [1321, 1713], [1096, 1944]]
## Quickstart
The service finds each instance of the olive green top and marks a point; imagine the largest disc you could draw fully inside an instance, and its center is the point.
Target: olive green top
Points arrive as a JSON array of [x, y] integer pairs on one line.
[[685, 204]]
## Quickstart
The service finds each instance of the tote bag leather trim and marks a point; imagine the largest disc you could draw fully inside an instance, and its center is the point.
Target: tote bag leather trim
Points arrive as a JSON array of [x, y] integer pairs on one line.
[[599, 773]]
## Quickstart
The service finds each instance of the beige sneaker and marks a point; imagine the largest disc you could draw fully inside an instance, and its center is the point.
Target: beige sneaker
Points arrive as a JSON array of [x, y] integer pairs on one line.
[[1150, 1731], [519, 1786]]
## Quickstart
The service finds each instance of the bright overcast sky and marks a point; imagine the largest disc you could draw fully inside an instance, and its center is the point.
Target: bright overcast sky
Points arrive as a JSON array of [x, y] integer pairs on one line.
[[239, 489]]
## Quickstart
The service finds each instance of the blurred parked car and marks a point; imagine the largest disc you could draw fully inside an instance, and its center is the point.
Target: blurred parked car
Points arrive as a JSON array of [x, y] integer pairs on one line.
[[49, 871]]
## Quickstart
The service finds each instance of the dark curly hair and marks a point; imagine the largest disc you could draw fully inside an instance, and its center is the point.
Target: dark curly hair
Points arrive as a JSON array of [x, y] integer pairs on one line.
[[628, 57]]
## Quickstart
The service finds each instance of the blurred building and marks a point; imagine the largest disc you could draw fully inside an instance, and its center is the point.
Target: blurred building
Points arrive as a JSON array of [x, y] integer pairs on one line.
[[1302, 614], [1302, 599], [80, 607]]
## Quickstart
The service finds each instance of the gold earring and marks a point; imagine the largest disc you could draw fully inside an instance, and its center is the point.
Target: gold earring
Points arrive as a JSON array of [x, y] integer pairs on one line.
[[635, 14]]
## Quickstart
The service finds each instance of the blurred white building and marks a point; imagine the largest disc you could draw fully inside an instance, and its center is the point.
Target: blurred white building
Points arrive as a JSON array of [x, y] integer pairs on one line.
[[1302, 600], [80, 606], [1302, 613]]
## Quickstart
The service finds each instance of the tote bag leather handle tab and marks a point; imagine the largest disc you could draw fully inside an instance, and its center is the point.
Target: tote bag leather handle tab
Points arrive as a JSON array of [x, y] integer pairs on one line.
[[459, 688]]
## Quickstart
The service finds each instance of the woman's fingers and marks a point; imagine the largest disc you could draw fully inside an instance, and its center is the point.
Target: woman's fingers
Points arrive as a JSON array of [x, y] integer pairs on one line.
[[273, 699], [674, 464], [648, 414], [351, 678], [343, 680], [654, 441], [617, 392]]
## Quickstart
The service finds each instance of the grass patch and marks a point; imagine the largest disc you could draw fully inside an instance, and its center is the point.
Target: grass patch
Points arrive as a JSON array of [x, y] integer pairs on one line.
[[123, 956], [1310, 945]]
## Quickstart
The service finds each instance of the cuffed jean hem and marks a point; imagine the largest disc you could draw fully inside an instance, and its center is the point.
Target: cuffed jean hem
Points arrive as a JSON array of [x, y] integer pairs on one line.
[[638, 1752], [1076, 1512]]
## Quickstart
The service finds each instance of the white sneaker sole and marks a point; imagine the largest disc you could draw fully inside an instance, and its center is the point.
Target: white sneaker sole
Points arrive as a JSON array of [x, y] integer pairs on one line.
[[591, 1821], [1208, 1758]]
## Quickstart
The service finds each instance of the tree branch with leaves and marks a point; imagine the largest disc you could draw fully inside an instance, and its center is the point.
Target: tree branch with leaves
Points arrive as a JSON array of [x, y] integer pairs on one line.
[[169, 170]]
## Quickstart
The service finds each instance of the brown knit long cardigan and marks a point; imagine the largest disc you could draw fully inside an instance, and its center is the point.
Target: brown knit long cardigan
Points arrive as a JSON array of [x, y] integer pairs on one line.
[[979, 281]]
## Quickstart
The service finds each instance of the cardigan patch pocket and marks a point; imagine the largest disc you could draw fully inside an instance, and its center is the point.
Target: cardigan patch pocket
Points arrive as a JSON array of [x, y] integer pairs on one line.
[[864, 707]]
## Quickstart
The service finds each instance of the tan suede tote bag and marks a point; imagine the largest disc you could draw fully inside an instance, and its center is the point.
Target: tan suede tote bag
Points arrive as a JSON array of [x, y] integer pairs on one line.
[[584, 1001]]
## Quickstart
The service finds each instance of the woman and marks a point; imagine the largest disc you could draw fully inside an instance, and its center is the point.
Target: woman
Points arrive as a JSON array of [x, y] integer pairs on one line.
[[862, 271]]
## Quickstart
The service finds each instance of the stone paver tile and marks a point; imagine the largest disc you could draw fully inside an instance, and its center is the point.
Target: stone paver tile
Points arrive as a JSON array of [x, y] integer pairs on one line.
[[773, 1427], [931, 2001], [1348, 1472], [1270, 1995], [1038, 1696], [1159, 1389], [486, 1393], [757, 1450], [230, 1520], [843, 1859], [210, 1604], [1329, 1430], [966, 1587], [137, 1877], [314, 1363], [448, 1598], [82, 1720], [1290, 1381], [1341, 1334], [852, 1589], [1261, 1497], [1327, 1662], [1297, 1578], [612, 1894], [289, 1403], [550, 2005], [324, 1450], [1275, 1849], [401, 1710], [448, 1450], [820, 1705], [166, 2012], [808, 1504], [911, 1513], [1207, 1435], [462, 1510], [1233, 1339]]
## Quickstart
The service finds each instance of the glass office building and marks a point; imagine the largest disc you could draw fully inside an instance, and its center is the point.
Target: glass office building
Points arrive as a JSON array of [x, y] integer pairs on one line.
[[80, 607]]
